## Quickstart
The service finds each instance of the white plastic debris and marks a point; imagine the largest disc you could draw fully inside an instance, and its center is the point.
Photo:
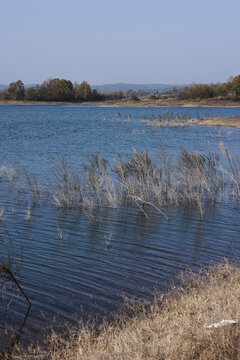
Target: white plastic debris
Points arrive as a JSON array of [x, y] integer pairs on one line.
[[221, 323]]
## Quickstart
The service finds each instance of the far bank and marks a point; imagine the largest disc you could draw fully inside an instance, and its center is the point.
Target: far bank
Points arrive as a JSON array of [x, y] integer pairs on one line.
[[211, 102]]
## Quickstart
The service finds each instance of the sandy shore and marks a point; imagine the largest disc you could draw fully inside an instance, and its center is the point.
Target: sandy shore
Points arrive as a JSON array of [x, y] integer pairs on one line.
[[214, 102], [233, 121]]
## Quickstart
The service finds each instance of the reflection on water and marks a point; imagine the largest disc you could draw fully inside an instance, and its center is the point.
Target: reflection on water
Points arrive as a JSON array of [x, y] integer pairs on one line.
[[78, 267], [79, 275]]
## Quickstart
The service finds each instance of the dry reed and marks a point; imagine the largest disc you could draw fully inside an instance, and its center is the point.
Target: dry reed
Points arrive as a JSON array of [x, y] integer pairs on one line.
[[7, 171], [168, 119], [67, 188], [193, 180], [172, 327]]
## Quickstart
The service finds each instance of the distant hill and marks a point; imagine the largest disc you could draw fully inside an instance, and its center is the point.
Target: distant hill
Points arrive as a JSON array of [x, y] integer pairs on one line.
[[135, 87], [30, 85], [121, 87], [2, 86]]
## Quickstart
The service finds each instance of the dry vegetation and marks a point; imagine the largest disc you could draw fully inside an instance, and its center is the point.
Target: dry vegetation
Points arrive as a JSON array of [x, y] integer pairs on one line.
[[233, 121], [169, 119], [165, 102], [172, 327], [193, 180]]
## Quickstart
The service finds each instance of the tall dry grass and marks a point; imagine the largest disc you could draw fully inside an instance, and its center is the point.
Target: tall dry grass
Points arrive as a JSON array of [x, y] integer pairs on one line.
[[168, 119], [192, 180], [9, 172], [172, 327], [100, 183], [67, 189], [233, 170]]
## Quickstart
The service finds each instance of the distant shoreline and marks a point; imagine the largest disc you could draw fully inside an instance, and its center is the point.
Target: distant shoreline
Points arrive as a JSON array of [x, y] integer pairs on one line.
[[211, 102]]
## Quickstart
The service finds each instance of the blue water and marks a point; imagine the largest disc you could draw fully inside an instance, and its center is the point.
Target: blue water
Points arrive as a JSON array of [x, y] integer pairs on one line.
[[120, 253], [35, 135]]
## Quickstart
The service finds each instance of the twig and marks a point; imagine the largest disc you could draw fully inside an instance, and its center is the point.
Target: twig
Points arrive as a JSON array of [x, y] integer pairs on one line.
[[147, 203], [8, 271]]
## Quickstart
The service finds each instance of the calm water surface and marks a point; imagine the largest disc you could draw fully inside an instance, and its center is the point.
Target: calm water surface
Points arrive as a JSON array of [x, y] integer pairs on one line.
[[121, 253]]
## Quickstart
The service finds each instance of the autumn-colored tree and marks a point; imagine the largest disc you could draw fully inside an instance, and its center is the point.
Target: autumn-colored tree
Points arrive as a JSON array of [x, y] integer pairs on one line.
[[114, 95], [96, 96], [201, 91], [83, 92], [31, 93], [133, 96], [222, 90], [16, 90], [236, 87], [4, 94], [56, 90]]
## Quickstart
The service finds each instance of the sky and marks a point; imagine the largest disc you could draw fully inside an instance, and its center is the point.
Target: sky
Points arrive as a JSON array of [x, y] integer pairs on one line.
[[109, 41]]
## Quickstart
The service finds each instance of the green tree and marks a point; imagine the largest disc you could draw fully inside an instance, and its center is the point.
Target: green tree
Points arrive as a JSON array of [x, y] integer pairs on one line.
[[83, 92], [16, 90]]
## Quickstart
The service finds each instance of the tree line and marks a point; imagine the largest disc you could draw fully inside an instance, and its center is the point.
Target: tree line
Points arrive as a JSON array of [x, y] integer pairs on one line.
[[56, 90], [62, 90], [228, 90]]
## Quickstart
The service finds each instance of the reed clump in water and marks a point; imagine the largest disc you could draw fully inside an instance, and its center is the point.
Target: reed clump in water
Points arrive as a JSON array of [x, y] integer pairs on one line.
[[3, 215], [67, 187], [233, 171], [172, 327], [192, 180], [168, 119], [9, 172], [100, 183], [23, 181], [30, 181], [198, 179]]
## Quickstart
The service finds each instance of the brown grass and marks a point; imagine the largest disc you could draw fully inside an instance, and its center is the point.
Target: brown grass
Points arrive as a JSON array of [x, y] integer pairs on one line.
[[233, 121], [173, 327], [170, 120], [192, 180]]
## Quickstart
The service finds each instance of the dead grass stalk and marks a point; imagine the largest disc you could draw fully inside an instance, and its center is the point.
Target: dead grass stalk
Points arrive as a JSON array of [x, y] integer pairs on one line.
[[172, 327]]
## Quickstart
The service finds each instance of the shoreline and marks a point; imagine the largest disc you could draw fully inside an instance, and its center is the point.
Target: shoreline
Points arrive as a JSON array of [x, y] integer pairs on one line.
[[213, 102], [233, 121], [225, 121], [176, 325]]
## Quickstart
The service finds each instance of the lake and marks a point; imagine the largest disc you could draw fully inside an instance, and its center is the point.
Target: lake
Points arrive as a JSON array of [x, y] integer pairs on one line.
[[75, 266]]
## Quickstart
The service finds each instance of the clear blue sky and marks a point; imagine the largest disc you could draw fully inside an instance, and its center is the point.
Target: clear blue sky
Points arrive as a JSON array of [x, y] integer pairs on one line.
[[107, 41]]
